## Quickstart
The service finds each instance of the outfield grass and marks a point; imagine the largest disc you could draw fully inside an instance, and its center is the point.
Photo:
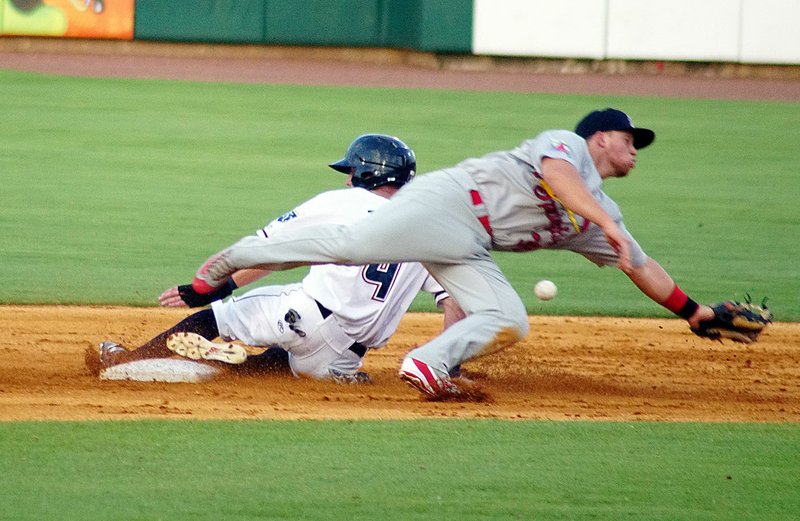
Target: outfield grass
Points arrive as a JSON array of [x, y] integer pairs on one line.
[[398, 470], [116, 189]]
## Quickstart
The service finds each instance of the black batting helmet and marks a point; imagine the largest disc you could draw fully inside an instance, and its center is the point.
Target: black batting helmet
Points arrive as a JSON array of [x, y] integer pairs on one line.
[[376, 160]]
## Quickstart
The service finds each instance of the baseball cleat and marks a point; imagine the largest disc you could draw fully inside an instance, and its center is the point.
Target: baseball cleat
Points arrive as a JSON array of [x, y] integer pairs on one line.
[[340, 377], [212, 274], [427, 380], [102, 356], [108, 352], [195, 347]]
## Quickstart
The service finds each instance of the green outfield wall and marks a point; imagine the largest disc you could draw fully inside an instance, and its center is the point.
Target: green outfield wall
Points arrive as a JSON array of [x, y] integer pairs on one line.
[[426, 25], [214, 21]]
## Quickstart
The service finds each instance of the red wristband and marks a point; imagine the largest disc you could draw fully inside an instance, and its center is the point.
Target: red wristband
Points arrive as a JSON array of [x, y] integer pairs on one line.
[[680, 304], [676, 300]]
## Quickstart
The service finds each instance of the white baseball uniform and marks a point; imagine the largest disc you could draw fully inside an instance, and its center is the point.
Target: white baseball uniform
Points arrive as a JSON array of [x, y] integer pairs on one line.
[[450, 220], [336, 306]]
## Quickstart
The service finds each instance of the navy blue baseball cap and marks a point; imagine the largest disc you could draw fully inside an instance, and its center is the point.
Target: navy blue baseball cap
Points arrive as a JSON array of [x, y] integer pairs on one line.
[[613, 119]]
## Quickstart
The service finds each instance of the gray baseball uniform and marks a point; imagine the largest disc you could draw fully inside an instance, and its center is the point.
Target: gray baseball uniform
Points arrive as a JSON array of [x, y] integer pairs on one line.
[[450, 220]]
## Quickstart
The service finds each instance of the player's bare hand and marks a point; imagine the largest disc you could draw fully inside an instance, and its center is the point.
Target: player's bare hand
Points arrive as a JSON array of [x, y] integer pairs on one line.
[[703, 313], [171, 298], [619, 241]]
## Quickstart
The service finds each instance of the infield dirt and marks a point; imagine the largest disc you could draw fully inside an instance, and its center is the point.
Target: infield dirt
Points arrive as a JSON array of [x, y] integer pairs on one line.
[[568, 368]]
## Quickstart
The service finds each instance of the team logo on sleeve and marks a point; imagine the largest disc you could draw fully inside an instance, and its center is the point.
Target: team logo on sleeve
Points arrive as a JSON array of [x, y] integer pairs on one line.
[[560, 146], [288, 216]]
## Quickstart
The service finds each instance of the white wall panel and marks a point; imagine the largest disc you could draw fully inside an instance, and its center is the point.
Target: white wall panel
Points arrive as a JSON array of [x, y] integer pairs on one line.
[[549, 28], [770, 31], [735, 31], [699, 30]]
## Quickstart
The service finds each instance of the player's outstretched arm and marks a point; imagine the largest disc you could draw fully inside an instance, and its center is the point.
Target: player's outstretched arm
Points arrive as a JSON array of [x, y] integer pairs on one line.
[[656, 283], [186, 296], [452, 311], [568, 187], [244, 277], [733, 320], [218, 268]]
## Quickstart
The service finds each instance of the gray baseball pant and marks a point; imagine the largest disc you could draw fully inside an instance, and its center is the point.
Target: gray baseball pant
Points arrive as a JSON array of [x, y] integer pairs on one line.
[[432, 220]]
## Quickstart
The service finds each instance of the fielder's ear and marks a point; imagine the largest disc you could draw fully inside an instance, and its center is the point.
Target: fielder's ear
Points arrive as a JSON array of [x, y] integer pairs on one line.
[[600, 138]]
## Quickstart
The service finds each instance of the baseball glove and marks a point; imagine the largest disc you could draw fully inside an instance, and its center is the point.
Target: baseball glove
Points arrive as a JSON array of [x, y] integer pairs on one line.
[[737, 321]]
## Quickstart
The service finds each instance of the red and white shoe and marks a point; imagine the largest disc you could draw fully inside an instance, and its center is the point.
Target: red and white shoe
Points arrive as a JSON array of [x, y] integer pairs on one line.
[[212, 274], [426, 379], [195, 347]]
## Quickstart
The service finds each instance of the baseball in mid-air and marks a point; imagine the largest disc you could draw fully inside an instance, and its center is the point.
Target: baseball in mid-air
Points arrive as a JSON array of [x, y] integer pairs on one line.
[[545, 289]]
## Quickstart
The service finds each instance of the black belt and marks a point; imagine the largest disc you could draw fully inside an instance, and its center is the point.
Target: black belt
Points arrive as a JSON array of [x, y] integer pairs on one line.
[[357, 347], [325, 312]]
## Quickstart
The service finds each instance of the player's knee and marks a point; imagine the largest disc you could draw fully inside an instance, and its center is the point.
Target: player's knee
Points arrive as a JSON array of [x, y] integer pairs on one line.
[[519, 324], [515, 316], [514, 326], [523, 328]]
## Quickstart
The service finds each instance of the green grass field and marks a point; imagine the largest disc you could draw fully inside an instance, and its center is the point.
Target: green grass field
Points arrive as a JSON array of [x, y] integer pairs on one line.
[[116, 189], [398, 470]]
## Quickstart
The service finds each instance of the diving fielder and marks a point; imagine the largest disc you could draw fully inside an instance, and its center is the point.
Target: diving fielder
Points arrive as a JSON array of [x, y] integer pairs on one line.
[[546, 193]]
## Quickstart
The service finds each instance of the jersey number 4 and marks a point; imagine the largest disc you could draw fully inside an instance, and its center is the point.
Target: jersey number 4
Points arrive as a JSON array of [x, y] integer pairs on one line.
[[382, 277]]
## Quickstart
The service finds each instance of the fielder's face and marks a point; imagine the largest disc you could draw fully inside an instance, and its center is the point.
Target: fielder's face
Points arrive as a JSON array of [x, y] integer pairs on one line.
[[621, 152]]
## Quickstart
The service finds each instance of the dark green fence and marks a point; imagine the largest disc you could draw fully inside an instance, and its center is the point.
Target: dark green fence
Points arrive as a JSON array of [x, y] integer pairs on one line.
[[425, 25]]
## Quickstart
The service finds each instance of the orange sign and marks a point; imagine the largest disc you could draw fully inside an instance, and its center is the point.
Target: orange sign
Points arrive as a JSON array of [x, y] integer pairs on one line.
[[112, 19]]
